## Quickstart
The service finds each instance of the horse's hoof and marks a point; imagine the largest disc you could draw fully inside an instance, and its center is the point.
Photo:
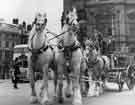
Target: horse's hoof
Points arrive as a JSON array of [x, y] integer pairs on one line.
[[60, 100], [84, 94], [77, 103], [68, 92], [68, 95], [46, 103], [33, 100], [54, 98]]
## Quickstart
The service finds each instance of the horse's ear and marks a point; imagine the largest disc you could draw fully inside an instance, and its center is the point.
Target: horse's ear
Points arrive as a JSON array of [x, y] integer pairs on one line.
[[77, 19], [67, 20], [35, 20], [45, 20]]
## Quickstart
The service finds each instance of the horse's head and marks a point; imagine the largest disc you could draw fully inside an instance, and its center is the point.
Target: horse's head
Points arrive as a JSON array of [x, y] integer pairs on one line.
[[71, 19], [90, 50], [40, 21], [89, 46], [37, 37]]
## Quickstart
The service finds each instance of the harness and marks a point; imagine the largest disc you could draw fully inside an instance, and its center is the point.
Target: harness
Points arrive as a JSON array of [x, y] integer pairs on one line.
[[93, 63], [67, 50], [40, 50], [37, 52]]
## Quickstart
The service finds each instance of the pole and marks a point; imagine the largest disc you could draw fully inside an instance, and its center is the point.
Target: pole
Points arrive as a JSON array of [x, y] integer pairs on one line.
[[113, 32]]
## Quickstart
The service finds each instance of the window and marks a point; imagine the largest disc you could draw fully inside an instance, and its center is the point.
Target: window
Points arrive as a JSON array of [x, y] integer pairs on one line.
[[13, 44], [0, 54], [20, 50], [7, 54], [132, 28], [7, 44]]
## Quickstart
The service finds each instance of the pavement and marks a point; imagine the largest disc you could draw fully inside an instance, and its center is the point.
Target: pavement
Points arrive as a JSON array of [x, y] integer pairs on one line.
[[11, 96], [4, 80]]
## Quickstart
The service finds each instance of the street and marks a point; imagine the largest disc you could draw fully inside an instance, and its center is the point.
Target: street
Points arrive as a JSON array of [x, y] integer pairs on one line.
[[10, 96]]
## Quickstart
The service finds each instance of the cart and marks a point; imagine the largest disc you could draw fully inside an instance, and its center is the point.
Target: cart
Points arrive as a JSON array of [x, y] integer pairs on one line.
[[122, 70]]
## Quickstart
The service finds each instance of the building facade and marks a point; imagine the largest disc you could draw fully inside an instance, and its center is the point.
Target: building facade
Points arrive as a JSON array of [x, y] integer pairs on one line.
[[10, 35], [111, 17]]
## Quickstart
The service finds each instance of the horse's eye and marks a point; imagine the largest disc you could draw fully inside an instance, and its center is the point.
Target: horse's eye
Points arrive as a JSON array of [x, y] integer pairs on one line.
[[73, 24], [37, 24], [91, 46]]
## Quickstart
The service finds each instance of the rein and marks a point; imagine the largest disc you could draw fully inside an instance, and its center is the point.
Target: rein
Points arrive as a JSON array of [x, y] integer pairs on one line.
[[58, 35], [52, 33]]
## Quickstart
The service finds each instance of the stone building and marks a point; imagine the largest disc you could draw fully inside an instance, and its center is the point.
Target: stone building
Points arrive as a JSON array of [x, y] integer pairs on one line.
[[114, 18], [10, 35]]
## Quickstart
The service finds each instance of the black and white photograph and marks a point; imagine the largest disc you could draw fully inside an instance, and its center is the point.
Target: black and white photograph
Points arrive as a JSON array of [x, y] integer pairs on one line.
[[67, 52]]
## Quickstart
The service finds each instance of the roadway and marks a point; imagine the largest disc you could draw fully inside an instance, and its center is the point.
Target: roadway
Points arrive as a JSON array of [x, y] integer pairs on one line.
[[11, 96]]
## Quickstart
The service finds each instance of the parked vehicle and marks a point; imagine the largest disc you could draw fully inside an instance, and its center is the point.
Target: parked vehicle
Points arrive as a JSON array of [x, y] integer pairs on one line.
[[21, 52]]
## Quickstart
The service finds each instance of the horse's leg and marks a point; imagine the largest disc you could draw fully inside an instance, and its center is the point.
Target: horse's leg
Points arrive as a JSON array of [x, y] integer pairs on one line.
[[102, 83], [77, 98], [83, 83], [53, 66], [44, 94], [94, 80], [68, 91], [91, 84], [98, 84], [87, 86], [33, 98], [60, 83], [55, 82]]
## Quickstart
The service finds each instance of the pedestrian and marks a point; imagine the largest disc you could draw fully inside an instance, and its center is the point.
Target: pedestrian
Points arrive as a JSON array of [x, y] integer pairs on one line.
[[15, 73]]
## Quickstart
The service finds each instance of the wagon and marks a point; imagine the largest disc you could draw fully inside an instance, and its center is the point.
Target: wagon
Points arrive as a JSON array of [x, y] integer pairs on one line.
[[122, 70]]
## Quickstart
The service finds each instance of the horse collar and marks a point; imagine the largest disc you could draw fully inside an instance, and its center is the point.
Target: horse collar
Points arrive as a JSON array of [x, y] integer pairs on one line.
[[38, 51], [92, 63]]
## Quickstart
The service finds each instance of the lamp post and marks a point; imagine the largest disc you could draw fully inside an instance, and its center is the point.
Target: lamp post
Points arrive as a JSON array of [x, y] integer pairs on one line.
[[118, 26]]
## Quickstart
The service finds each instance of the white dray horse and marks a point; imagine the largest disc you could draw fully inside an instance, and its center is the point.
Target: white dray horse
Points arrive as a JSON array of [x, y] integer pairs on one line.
[[40, 57], [70, 57]]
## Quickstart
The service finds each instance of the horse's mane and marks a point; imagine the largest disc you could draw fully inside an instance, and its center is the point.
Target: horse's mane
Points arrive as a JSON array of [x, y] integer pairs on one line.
[[65, 27]]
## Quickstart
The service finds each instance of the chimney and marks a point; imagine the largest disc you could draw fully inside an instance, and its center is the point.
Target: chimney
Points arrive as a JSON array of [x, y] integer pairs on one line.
[[29, 27], [15, 21]]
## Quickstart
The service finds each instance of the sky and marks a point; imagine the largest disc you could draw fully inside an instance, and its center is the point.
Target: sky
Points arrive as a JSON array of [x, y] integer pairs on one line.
[[26, 10]]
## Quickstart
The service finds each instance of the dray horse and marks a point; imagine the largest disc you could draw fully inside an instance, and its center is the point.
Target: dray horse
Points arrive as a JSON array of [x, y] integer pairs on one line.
[[69, 60], [97, 66], [40, 57]]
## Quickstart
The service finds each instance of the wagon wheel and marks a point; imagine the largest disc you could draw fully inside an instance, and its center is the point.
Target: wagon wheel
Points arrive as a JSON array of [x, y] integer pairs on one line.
[[130, 80], [130, 83], [120, 81], [120, 86]]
